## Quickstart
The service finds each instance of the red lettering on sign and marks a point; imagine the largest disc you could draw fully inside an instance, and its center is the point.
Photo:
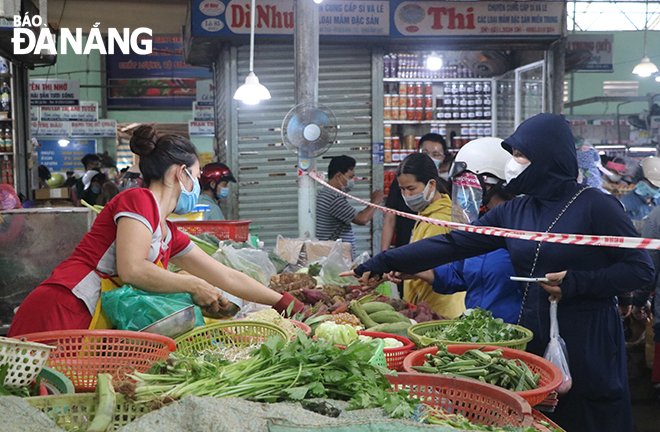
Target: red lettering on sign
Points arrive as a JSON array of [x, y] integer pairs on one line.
[[454, 20]]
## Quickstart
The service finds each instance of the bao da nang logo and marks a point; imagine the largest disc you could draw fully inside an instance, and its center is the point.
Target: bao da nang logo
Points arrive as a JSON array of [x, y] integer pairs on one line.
[[30, 37]]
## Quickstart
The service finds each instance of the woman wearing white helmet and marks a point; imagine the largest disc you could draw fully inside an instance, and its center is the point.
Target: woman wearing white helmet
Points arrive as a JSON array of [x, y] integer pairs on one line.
[[477, 176]]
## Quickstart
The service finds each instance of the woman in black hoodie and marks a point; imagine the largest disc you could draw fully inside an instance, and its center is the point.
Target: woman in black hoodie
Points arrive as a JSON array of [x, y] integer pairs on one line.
[[587, 279]]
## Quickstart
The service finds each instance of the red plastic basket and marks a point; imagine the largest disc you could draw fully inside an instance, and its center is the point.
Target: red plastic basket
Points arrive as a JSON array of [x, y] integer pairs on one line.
[[393, 356], [550, 379], [481, 403], [83, 354], [302, 326], [236, 230]]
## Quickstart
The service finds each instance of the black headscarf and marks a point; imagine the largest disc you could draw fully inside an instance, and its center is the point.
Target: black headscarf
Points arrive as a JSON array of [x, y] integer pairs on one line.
[[547, 141]]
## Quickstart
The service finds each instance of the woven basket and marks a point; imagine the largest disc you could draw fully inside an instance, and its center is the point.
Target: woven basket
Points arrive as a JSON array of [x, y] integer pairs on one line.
[[479, 402], [227, 333], [83, 354], [74, 412], [551, 377], [393, 356], [417, 333], [25, 360]]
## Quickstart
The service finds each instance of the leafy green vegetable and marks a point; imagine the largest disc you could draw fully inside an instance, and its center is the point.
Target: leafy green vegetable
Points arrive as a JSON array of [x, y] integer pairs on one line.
[[438, 416], [476, 325], [10, 391], [336, 334], [278, 371]]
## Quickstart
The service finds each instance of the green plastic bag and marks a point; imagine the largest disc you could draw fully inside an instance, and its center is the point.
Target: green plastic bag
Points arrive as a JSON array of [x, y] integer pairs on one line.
[[130, 308]]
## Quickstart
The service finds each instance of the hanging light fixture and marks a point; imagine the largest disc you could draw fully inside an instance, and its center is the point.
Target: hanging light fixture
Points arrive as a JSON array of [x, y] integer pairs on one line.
[[645, 68], [252, 92], [433, 62]]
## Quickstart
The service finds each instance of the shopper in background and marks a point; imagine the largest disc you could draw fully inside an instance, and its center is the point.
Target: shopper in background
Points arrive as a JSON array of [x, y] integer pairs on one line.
[[93, 182], [132, 242], [215, 180], [334, 215], [586, 279], [90, 162], [424, 193], [640, 201], [397, 229], [478, 187]]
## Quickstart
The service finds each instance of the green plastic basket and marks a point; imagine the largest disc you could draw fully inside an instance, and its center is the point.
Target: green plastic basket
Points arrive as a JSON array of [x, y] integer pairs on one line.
[[74, 412], [56, 382], [227, 333], [417, 334], [378, 358]]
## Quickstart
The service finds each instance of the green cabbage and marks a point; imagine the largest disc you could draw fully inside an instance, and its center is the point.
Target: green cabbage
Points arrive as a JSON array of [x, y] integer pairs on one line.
[[336, 334]]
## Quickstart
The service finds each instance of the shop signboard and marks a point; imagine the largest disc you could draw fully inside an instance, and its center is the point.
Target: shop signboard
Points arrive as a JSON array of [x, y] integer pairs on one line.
[[590, 52], [34, 113], [101, 128], [394, 19], [161, 79], [51, 91], [204, 92], [87, 111], [203, 112], [60, 159], [201, 128], [50, 128]]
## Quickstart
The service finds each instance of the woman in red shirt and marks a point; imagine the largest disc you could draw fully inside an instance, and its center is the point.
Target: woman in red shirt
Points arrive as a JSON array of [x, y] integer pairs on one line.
[[132, 242]]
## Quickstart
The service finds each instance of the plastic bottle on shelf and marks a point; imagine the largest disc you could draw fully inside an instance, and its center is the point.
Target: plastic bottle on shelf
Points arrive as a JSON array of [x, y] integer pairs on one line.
[[9, 142], [5, 97]]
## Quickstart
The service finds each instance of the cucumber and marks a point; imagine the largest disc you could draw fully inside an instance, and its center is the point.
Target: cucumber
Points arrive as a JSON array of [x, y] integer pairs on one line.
[[376, 307], [388, 317], [105, 409], [399, 328]]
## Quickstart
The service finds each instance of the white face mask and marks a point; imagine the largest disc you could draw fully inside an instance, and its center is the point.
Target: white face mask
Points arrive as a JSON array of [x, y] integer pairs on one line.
[[437, 162], [513, 169]]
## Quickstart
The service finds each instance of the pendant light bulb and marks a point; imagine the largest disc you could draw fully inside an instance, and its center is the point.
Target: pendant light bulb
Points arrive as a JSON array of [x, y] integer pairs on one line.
[[318, 1], [645, 68], [252, 92]]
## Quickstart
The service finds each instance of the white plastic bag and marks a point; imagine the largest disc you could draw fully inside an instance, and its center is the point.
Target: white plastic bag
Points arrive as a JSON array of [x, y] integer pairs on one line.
[[556, 350]]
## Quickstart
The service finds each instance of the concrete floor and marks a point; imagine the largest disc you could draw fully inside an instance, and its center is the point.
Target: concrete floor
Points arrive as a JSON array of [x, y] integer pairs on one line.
[[646, 405]]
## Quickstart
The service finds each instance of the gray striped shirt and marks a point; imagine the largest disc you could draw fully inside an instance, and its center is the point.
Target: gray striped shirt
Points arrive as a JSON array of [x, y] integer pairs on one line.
[[333, 217]]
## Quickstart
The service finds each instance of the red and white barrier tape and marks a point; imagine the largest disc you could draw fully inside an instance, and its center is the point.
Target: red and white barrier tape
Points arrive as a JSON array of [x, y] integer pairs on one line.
[[571, 239]]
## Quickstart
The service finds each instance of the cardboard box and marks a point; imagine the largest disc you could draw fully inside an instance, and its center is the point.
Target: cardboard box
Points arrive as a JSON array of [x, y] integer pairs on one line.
[[56, 193]]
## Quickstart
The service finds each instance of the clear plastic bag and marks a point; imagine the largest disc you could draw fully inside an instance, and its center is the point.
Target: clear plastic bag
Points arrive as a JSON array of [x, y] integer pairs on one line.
[[556, 351], [253, 262], [333, 265]]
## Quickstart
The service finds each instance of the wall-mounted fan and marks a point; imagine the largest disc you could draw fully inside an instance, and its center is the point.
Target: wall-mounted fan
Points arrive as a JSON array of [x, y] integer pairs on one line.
[[309, 130]]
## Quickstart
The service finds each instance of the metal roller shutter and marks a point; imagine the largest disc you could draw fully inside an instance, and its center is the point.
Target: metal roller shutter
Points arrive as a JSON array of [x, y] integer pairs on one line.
[[267, 170]]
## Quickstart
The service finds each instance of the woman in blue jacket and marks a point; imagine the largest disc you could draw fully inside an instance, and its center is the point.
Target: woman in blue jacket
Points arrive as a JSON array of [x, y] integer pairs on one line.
[[586, 279]]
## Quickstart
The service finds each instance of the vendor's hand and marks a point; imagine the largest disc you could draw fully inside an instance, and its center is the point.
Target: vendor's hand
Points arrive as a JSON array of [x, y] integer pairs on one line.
[[553, 286], [206, 295]]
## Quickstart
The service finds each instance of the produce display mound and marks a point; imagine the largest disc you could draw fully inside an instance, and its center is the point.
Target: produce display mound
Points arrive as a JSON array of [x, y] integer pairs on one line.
[[550, 376], [74, 412], [417, 333], [393, 356], [82, 354], [236, 230], [23, 360], [480, 403], [227, 333]]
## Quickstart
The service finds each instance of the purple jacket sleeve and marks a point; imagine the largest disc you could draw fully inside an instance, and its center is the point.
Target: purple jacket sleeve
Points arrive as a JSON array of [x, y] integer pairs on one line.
[[434, 251]]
